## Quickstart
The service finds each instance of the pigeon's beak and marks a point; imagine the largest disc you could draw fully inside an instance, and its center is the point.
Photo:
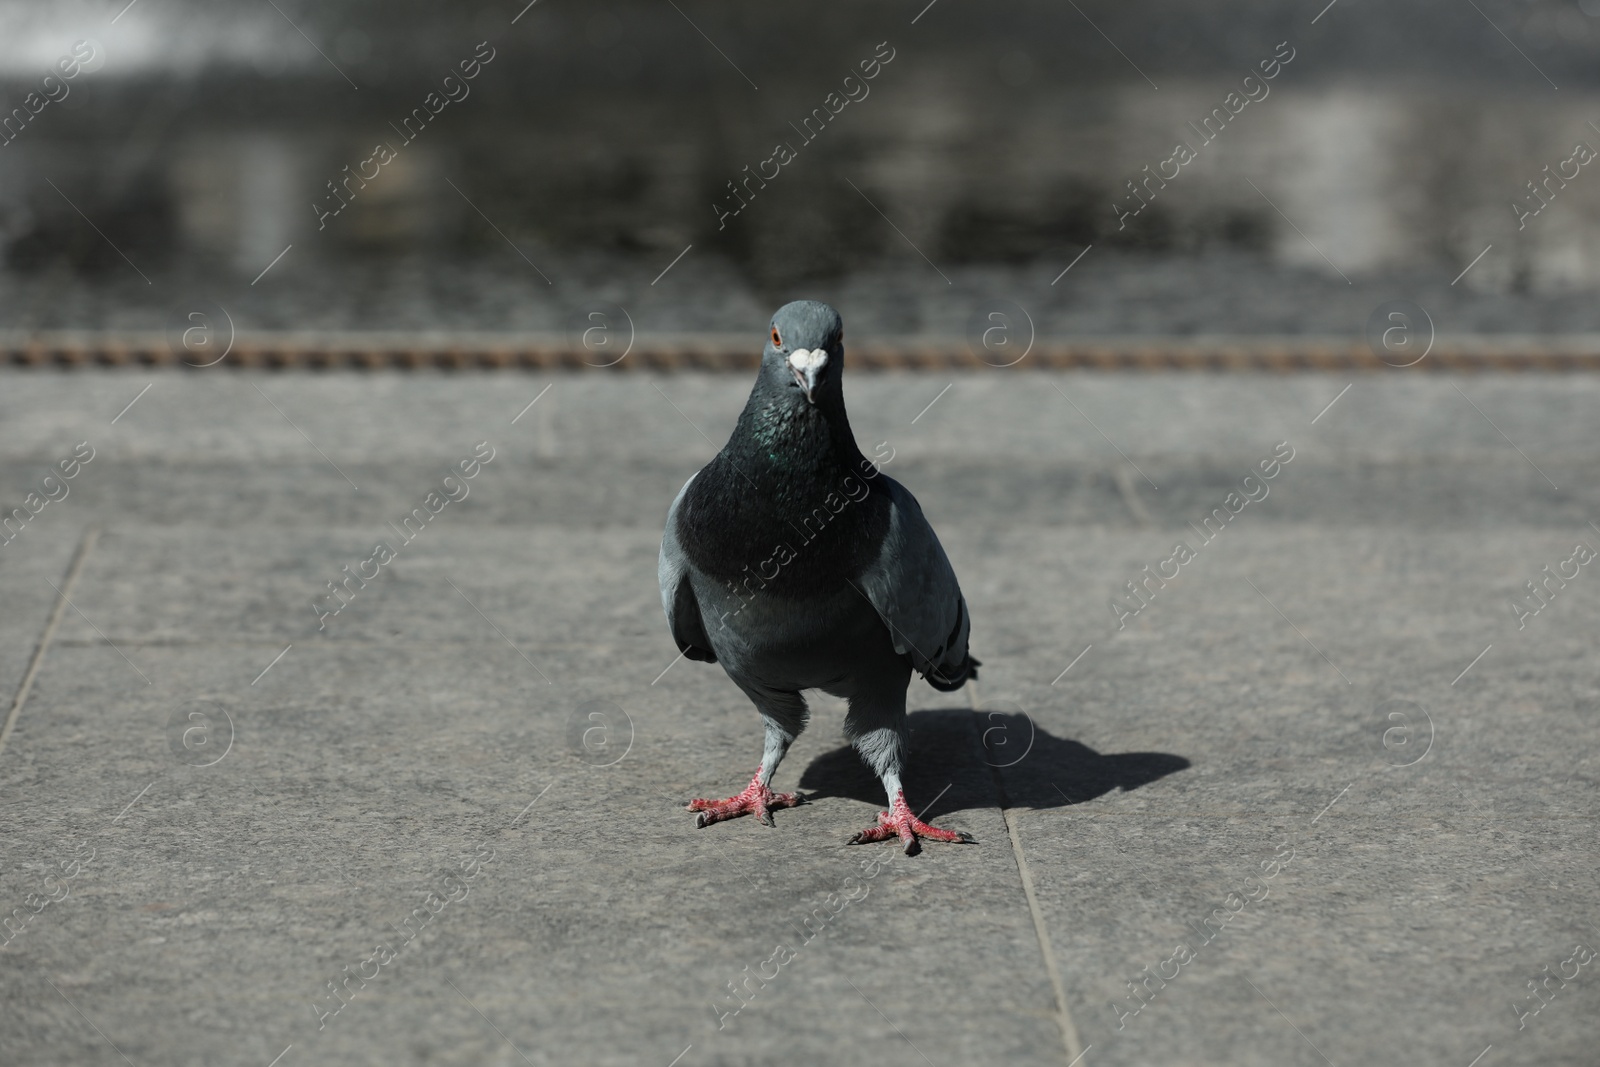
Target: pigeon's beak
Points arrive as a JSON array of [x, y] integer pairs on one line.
[[807, 366]]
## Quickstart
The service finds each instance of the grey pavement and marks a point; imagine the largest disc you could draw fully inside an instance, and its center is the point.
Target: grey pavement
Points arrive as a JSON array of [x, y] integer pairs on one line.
[[1328, 734]]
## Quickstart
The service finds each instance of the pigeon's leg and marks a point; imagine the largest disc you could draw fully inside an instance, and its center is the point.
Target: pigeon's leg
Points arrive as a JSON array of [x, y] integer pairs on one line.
[[884, 749], [758, 798]]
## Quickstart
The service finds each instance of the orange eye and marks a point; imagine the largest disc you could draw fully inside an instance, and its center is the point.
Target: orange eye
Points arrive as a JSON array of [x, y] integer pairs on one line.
[[777, 342]]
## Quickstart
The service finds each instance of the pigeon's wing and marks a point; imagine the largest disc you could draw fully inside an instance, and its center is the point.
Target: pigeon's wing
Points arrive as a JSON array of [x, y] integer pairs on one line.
[[677, 595], [914, 589]]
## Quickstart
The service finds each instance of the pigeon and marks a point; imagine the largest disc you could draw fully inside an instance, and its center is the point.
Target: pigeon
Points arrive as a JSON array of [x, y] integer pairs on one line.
[[795, 563]]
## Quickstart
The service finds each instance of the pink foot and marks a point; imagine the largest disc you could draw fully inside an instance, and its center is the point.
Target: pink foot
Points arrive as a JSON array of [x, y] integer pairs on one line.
[[900, 822], [756, 799]]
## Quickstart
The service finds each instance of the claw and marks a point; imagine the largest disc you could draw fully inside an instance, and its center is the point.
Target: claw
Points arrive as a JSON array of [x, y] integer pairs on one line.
[[756, 799], [908, 828]]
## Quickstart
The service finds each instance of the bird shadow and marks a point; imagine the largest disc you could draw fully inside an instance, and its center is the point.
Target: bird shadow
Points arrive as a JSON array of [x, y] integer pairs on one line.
[[962, 759]]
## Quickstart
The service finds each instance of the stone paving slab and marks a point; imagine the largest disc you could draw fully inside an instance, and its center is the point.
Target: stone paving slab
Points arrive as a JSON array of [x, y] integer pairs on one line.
[[350, 787], [1431, 884], [1440, 859]]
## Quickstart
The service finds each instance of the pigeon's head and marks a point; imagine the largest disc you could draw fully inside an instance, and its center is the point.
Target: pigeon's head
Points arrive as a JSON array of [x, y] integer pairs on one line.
[[805, 349]]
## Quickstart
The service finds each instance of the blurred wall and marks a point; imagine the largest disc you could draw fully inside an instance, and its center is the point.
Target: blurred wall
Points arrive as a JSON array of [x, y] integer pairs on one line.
[[1398, 136]]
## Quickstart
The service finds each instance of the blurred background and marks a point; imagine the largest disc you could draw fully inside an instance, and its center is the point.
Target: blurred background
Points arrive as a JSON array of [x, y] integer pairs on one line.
[[196, 155]]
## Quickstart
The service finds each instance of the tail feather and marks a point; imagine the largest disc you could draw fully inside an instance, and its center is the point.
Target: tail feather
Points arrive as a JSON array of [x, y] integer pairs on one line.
[[949, 683]]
